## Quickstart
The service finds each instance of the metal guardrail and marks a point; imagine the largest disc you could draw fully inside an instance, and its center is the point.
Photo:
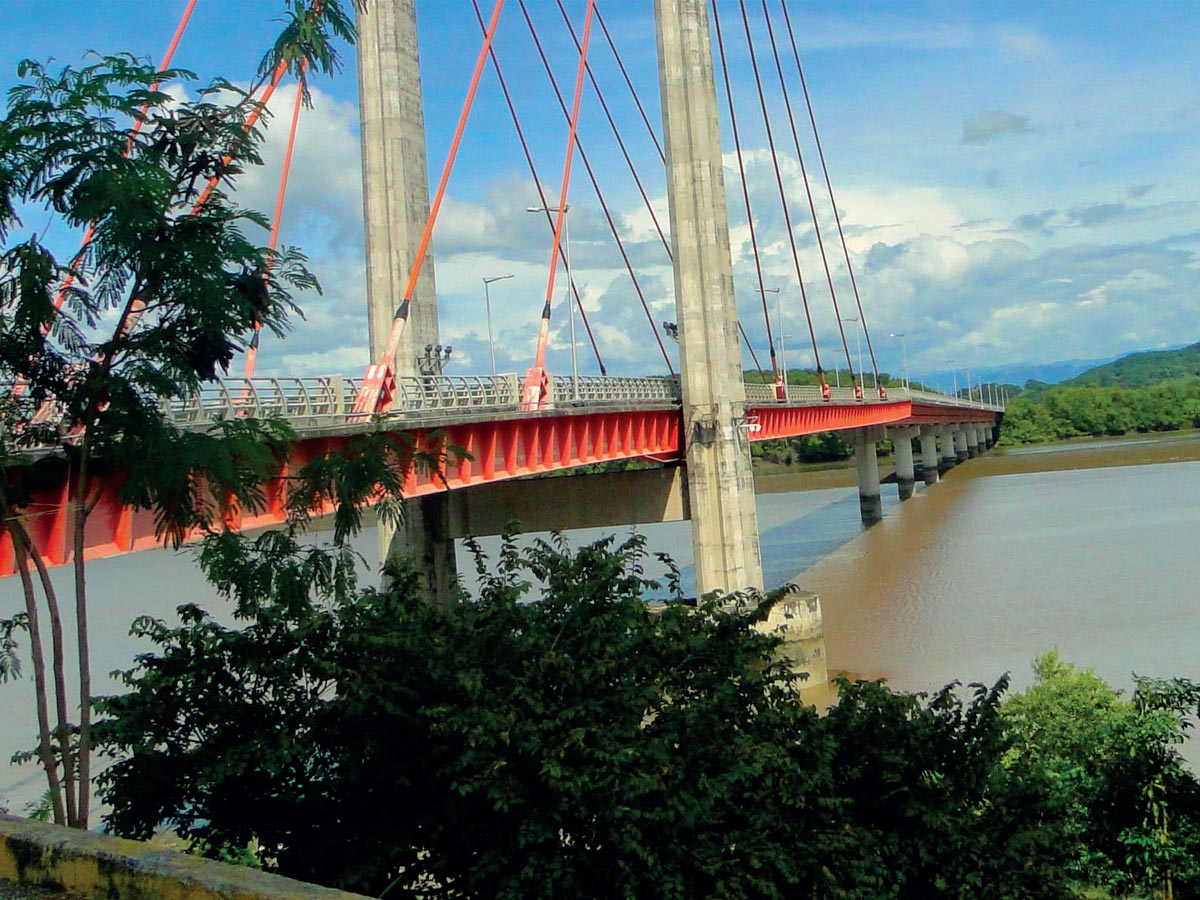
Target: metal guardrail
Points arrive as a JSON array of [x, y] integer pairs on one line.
[[593, 389], [330, 399]]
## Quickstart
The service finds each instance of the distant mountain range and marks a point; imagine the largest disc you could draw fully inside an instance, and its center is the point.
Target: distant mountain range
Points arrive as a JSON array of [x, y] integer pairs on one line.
[[1049, 373], [1130, 370]]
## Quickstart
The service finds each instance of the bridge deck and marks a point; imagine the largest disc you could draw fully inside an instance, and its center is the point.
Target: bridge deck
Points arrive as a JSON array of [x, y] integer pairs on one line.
[[597, 420]]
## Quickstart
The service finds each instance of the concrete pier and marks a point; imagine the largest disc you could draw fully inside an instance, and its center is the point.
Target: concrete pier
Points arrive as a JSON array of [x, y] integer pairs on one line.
[[720, 487], [949, 457], [972, 439], [395, 209], [870, 503], [929, 455], [960, 443], [902, 439]]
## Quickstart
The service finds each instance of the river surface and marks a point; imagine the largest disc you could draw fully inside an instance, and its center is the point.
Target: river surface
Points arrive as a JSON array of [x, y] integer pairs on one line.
[[1088, 548]]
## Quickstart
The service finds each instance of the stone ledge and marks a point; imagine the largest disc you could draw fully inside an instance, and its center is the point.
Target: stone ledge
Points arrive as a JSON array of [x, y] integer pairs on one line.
[[98, 867]]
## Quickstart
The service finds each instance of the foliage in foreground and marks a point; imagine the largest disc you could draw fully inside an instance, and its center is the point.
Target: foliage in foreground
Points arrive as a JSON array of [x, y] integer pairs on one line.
[[584, 745], [172, 281]]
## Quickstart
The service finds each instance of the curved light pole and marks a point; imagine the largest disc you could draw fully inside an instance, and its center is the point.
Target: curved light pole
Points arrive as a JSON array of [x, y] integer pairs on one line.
[[904, 349], [487, 301], [858, 344]]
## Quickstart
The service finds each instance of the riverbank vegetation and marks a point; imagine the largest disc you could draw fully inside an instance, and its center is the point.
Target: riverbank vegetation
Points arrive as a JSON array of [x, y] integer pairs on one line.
[[1067, 411], [593, 745]]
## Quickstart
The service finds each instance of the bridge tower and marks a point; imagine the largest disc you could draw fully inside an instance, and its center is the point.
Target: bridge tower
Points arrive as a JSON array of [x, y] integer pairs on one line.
[[395, 209], [719, 483]]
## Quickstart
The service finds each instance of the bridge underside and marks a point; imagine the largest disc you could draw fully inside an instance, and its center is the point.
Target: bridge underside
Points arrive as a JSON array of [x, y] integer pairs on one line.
[[499, 450]]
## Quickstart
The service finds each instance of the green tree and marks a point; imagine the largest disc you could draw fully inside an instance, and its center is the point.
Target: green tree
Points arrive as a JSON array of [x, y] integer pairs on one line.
[[171, 285], [585, 744], [1127, 803]]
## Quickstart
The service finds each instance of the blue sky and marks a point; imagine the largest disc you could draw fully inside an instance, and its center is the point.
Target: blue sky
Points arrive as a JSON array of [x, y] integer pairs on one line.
[[1019, 181]]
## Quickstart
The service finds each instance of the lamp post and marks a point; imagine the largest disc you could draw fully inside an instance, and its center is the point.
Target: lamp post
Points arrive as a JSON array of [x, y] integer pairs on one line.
[[904, 350], [487, 302], [953, 376], [858, 344], [570, 305]]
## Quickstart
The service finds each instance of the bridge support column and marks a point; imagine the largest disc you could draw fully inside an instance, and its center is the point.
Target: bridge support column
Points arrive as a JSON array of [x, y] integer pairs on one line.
[[949, 457], [929, 455], [960, 443], [972, 442], [720, 487], [425, 542], [395, 208], [905, 470], [870, 503]]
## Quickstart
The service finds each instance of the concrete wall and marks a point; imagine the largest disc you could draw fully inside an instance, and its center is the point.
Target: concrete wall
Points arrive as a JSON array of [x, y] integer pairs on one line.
[[98, 867]]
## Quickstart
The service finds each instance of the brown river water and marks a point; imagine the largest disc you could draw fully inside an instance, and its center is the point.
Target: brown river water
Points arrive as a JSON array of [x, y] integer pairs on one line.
[[1090, 548]]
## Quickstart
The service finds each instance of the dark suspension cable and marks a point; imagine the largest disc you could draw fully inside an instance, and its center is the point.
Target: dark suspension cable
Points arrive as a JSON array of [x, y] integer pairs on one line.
[[632, 89], [512, 110], [787, 215], [745, 189], [583, 157], [617, 134], [829, 186]]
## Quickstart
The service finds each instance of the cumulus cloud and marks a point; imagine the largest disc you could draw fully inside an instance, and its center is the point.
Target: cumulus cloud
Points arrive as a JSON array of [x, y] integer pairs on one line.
[[992, 124], [931, 261]]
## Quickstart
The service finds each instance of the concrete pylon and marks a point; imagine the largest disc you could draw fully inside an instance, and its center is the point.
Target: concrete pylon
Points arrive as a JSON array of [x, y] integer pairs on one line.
[[929, 454], [972, 442], [720, 487], [395, 209], [866, 461], [905, 470]]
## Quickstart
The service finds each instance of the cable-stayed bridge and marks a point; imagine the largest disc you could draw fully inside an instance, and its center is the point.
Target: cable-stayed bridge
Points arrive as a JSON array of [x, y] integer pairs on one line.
[[697, 420]]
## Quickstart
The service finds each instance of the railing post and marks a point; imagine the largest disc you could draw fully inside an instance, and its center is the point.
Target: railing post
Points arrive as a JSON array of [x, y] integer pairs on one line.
[[337, 389]]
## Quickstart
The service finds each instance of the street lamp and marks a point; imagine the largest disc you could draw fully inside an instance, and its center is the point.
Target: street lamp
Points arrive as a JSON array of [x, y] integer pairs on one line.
[[858, 344], [904, 349], [570, 305], [487, 301], [953, 375]]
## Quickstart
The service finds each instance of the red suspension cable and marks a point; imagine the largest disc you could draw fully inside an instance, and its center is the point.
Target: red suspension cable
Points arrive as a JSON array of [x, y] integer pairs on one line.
[[370, 394], [583, 157], [535, 379], [737, 143], [273, 243], [620, 140], [537, 183], [137, 126]]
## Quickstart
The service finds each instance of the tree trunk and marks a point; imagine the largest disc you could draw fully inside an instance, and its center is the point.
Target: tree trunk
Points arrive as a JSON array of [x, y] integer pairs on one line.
[[83, 764], [58, 660], [45, 749]]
